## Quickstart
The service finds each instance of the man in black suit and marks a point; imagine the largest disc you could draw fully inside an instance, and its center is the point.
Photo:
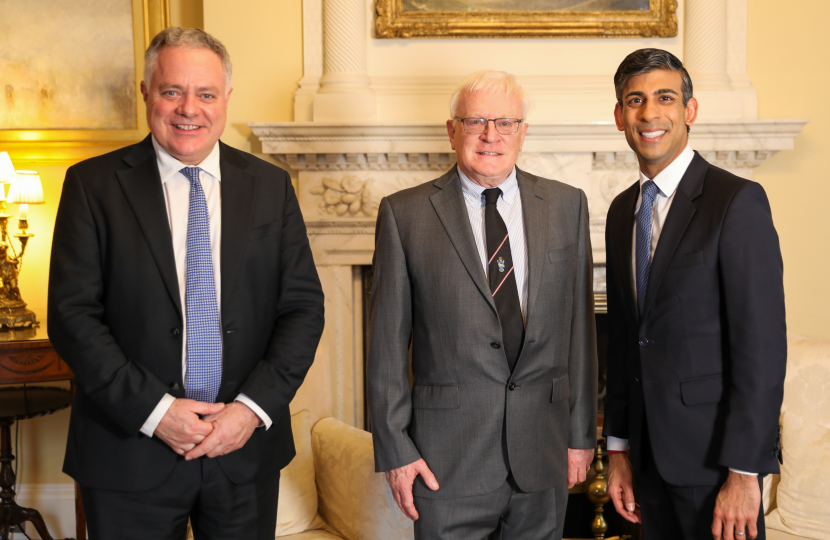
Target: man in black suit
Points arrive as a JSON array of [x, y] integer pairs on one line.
[[697, 336], [183, 295]]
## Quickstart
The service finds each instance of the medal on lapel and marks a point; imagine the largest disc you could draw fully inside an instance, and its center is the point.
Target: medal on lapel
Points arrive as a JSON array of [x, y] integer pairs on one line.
[[500, 262]]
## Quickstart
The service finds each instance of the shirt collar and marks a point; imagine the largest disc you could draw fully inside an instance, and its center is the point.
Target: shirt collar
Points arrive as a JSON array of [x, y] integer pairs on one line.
[[669, 178], [170, 166], [474, 193]]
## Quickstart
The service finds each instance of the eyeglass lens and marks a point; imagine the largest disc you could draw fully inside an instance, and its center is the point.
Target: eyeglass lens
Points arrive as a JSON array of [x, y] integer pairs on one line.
[[505, 126]]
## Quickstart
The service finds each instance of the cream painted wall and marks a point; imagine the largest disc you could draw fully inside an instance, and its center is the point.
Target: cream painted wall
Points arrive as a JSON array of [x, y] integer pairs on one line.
[[788, 59], [265, 40]]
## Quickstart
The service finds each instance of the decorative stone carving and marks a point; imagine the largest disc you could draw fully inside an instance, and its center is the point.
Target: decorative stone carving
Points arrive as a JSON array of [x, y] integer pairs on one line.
[[348, 195]]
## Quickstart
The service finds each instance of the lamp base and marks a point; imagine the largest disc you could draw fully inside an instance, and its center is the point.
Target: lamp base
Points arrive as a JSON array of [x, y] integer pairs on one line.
[[13, 314]]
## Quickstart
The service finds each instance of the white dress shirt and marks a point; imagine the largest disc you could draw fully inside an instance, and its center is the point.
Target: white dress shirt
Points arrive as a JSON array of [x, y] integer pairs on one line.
[[666, 181], [509, 206], [177, 200]]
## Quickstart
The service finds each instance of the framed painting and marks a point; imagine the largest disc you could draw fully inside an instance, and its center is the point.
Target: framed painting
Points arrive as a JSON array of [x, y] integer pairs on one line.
[[525, 18], [70, 75]]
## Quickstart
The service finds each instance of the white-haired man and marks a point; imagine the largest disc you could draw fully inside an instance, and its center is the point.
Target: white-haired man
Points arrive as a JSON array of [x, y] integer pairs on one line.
[[488, 270], [183, 295]]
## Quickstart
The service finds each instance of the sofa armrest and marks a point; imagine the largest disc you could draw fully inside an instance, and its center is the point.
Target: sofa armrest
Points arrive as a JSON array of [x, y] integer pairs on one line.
[[353, 499]]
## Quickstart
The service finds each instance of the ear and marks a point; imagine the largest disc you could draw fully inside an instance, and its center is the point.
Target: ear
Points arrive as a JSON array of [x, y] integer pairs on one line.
[[451, 133], [228, 95], [618, 117], [144, 91], [691, 111]]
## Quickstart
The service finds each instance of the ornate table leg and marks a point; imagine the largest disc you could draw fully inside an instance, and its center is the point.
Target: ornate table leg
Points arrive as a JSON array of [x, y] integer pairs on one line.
[[11, 513], [598, 494]]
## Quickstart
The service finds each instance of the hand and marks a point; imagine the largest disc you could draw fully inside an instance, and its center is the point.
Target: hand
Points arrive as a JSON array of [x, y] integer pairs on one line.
[[181, 428], [737, 507], [401, 480], [579, 459], [232, 427], [621, 487]]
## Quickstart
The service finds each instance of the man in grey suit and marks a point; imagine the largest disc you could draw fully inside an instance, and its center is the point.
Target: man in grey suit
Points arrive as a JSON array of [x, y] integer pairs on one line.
[[487, 271]]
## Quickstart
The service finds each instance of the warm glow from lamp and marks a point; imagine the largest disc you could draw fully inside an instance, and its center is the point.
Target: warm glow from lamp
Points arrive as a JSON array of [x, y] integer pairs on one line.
[[26, 189]]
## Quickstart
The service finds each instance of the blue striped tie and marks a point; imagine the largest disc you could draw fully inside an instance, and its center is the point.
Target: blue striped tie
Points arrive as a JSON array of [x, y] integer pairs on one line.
[[204, 335], [643, 251]]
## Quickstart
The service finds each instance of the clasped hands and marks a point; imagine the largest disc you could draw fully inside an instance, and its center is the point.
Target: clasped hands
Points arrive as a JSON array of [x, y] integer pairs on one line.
[[400, 480], [194, 428]]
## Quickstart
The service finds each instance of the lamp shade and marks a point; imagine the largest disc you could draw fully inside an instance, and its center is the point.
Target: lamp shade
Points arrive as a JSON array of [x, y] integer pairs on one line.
[[6, 168], [26, 188]]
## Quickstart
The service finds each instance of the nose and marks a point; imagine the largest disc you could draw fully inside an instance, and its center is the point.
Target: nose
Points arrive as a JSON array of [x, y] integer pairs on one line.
[[490, 134], [188, 106], [650, 110]]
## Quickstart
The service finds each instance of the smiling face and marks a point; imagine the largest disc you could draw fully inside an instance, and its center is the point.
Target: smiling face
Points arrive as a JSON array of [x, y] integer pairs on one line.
[[187, 102], [487, 158], [654, 119]]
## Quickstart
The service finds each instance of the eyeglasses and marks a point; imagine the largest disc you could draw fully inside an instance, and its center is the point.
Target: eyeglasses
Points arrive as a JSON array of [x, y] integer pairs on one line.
[[477, 126]]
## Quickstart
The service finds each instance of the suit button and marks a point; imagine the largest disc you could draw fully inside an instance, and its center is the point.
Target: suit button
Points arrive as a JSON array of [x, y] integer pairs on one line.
[[175, 332], [495, 345], [511, 386], [175, 386]]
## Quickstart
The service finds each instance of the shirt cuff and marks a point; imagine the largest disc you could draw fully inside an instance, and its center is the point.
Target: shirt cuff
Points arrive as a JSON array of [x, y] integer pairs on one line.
[[743, 472], [264, 419], [158, 413], [614, 444]]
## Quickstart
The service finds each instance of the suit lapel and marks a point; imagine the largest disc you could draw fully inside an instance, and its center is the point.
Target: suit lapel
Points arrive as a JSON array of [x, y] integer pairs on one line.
[[448, 203], [623, 237], [144, 192], [536, 225], [680, 214], [237, 208]]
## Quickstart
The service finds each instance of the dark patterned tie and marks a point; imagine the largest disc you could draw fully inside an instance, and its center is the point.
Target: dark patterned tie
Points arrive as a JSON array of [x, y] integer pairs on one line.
[[643, 249], [502, 278], [204, 335]]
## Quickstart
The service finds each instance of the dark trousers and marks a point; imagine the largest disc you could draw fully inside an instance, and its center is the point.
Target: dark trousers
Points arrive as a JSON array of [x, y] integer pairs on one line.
[[505, 514], [199, 490], [670, 511]]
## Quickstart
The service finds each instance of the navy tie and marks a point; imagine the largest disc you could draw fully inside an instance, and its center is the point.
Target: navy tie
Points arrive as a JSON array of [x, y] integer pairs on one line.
[[204, 335], [643, 250]]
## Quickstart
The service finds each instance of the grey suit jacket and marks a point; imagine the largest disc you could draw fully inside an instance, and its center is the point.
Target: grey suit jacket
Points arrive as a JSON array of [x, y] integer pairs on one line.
[[466, 415]]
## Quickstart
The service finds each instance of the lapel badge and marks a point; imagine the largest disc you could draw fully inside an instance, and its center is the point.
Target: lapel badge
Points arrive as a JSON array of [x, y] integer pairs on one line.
[[500, 262]]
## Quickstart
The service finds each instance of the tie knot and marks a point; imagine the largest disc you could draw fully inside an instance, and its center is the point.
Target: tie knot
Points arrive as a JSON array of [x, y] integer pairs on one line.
[[491, 196], [191, 173], [650, 190]]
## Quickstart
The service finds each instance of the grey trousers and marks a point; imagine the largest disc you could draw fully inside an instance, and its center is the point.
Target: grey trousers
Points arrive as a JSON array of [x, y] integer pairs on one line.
[[507, 513]]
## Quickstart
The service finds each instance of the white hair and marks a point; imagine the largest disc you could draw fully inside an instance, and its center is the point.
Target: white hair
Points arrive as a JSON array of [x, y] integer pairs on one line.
[[499, 82]]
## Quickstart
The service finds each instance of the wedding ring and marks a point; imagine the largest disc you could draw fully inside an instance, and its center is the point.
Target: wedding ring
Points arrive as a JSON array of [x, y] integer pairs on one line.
[[740, 533]]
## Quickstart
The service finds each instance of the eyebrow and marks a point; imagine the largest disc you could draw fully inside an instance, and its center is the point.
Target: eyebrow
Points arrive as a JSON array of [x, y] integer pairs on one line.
[[657, 93]]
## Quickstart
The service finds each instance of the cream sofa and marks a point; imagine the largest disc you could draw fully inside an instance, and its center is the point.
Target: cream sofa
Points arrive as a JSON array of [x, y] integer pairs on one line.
[[797, 502], [330, 490]]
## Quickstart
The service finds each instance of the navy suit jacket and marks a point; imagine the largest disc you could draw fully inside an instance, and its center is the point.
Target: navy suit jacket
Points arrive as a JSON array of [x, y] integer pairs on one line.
[[704, 366]]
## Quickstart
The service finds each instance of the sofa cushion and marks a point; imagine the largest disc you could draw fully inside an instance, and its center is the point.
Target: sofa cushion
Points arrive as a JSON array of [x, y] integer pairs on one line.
[[312, 535], [297, 506], [801, 497]]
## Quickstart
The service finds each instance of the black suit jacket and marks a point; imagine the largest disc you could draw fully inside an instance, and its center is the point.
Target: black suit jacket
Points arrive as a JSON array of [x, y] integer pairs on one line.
[[115, 313], [705, 364]]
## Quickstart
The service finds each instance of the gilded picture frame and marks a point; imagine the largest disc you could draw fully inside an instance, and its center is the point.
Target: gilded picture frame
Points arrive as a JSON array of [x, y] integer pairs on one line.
[[68, 146], [393, 20]]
